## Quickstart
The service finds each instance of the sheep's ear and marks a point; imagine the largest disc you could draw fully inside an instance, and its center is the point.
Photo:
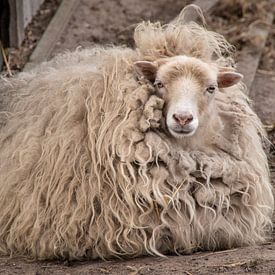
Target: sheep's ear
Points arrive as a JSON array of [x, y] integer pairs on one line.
[[228, 78], [147, 69]]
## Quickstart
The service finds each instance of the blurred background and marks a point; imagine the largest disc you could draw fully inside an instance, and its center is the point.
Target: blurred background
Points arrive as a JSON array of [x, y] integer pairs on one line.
[[85, 22]]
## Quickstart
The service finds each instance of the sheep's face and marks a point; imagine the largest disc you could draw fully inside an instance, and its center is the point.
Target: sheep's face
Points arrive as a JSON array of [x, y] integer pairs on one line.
[[188, 86]]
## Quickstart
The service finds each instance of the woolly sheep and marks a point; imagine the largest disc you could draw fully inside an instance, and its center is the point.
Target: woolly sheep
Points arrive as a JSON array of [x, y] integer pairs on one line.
[[88, 168]]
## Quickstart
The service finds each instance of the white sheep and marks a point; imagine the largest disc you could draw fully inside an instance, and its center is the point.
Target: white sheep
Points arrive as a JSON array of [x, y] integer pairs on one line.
[[119, 153]]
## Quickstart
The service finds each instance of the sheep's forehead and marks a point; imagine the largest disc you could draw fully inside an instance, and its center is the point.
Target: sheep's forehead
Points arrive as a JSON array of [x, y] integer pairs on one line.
[[187, 67]]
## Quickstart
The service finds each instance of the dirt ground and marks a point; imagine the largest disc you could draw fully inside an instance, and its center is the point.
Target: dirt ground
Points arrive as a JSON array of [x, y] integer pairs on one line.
[[112, 22], [260, 260]]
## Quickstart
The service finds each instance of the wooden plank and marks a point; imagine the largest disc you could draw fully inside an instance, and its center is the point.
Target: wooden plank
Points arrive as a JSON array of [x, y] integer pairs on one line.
[[251, 53], [16, 28], [53, 32], [21, 14]]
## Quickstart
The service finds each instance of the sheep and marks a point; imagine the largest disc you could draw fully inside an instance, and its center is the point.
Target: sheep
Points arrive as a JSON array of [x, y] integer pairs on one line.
[[99, 160]]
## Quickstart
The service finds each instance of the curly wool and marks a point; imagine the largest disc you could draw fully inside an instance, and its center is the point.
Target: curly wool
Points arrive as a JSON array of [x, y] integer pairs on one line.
[[87, 169]]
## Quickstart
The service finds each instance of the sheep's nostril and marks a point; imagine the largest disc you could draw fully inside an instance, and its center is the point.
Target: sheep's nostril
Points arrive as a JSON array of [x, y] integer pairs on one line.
[[189, 119], [183, 119]]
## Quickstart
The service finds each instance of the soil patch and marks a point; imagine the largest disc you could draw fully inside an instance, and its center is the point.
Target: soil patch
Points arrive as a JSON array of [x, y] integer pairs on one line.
[[113, 22]]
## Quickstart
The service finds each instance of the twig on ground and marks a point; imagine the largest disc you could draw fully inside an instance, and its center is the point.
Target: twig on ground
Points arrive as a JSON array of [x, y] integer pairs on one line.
[[232, 264], [134, 270], [5, 59], [218, 252]]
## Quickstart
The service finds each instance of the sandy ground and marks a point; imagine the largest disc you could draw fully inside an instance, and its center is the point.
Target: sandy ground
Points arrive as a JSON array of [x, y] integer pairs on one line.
[[112, 22]]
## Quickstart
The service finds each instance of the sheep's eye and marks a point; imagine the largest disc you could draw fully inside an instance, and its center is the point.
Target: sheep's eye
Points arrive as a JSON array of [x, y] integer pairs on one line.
[[158, 84], [211, 89]]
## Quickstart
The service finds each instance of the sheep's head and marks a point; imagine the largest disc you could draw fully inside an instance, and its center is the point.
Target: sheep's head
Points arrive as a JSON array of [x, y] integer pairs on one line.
[[188, 86]]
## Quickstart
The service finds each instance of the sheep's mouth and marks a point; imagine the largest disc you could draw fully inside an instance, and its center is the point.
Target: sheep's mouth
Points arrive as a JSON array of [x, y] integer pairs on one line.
[[182, 132], [179, 131]]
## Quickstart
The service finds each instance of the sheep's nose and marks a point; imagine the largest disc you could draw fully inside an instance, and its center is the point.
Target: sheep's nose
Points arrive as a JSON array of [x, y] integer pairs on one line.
[[183, 118]]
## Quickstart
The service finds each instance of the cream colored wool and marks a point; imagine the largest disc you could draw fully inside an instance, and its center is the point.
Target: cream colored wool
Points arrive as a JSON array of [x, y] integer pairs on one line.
[[87, 170]]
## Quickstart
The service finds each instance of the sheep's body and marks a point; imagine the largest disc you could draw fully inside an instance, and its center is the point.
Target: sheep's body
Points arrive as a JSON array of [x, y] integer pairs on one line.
[[87, 171]]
